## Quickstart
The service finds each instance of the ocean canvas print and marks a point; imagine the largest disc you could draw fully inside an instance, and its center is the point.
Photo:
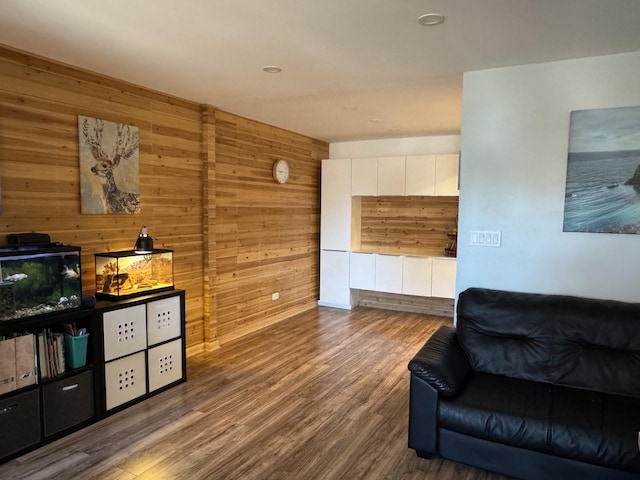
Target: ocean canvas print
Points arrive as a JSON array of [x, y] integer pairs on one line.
[[603, 171]]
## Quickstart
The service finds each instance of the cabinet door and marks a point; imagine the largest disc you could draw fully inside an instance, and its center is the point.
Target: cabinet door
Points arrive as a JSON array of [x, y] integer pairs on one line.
[[67, 402], [364, 177], [421, 175], [447, 175], [334, 279], [391, 176], [165, 364], [164, 320], [389, 273], [335, 205], [19, 421], [362, 271], [125, 331], [125, 379], [416, 276], [443, 278]]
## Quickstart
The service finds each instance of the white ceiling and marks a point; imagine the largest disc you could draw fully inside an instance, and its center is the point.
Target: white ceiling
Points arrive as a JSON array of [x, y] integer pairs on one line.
[[352, 69]]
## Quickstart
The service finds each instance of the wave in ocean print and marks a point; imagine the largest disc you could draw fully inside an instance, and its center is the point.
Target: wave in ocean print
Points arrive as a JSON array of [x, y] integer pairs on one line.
[[596, 197]]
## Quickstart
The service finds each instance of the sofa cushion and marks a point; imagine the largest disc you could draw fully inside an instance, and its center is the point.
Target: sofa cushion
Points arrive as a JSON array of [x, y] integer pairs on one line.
[[587, 426], [564, 340], [506, 333], [595, 427], [500, 409]]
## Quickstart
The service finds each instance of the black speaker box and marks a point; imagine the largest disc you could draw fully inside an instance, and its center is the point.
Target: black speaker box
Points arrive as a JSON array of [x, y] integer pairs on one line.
[[28, 238]]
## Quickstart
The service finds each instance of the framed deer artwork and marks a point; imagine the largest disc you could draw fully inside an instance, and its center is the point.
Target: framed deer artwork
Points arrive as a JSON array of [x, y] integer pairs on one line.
[[109, 163]]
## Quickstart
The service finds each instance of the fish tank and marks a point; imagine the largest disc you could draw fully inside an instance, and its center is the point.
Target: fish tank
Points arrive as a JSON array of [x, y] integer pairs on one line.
[[127, 273], [39, 280]]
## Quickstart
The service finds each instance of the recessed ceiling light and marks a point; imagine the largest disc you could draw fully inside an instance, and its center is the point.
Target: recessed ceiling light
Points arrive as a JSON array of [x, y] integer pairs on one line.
[[271, 69], [430, 19]]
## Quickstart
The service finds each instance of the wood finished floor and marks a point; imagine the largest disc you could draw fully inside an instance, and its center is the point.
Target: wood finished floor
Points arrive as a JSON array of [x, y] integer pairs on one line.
[[323, 395]]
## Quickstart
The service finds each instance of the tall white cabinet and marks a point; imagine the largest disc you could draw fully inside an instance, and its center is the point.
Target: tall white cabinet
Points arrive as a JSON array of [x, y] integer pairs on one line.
[[335, 233], [335, 205], [342, 266]]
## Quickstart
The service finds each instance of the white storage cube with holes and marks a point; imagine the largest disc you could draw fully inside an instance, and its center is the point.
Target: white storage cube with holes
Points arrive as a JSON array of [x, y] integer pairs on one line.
[[163, 320], [125, 379], [125, 331], [165, 364]]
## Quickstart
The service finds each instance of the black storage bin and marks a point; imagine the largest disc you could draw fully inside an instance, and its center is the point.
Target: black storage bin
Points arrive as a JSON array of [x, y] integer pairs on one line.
[[20, 420], [67, 402]]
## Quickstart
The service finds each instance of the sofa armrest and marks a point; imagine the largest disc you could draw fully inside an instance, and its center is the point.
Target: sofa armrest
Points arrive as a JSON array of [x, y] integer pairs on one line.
[[442, 363]]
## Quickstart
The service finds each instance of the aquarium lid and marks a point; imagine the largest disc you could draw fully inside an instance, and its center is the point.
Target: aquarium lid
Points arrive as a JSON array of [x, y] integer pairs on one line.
[[45, 248]]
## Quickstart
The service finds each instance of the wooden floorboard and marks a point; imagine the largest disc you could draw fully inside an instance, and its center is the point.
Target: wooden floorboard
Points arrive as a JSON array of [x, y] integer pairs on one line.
[[322, 395]]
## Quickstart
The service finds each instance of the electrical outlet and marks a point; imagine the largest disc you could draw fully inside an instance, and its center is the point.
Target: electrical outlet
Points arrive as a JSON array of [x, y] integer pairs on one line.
[[275, 296]]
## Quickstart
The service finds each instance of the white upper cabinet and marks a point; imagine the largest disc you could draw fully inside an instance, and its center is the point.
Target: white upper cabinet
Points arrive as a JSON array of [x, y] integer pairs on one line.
[[335, 205], [364, 177], [413, 175], [446, 181], [420, 175], [391, 176]]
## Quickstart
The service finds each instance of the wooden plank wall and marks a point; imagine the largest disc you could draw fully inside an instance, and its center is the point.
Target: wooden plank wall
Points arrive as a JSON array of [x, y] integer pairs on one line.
[[268, 233], [407, 225]]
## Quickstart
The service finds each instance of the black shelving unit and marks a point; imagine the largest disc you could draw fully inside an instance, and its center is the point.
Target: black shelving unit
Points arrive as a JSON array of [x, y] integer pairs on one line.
[[36, 414], [50, 408]]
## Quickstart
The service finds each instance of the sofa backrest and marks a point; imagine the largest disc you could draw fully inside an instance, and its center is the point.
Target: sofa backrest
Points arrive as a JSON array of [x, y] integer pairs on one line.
[[564, 340]]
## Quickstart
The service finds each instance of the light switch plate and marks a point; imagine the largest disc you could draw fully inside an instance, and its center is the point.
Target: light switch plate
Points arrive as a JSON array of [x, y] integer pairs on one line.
[[486, 238]]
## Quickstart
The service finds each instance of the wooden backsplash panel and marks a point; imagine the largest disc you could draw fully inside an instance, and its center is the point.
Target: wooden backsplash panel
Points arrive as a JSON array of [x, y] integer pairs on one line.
[[205, 187], [407, 225]]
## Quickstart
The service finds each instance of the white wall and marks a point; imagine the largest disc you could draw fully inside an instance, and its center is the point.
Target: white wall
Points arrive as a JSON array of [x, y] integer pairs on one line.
[[515, 128], [436, 145]]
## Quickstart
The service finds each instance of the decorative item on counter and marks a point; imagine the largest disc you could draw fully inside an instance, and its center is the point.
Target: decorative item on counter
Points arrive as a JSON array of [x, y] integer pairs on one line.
[[452, 247]]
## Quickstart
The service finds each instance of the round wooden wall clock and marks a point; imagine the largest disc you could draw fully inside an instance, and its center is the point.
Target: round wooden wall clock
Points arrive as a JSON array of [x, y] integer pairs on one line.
[[281, 171]]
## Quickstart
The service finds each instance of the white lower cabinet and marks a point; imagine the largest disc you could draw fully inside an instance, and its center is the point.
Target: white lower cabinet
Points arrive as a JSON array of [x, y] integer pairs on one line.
[[334, 279], [443, 278], [419, 276], [416, 276], [388, 273], [362, 272]]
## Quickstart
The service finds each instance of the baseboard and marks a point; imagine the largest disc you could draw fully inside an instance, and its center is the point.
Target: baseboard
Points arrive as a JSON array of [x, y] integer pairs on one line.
[[442, 307], [334, 305]]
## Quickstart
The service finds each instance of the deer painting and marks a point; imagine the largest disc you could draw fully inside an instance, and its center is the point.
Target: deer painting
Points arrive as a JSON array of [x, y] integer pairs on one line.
[[111, 169]]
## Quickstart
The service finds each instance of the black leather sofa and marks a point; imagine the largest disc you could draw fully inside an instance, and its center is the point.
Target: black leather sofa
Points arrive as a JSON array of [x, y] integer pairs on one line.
[[532, 386]]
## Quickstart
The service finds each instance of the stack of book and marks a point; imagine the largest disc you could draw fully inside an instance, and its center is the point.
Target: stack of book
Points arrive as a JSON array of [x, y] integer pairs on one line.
[[51, 347]]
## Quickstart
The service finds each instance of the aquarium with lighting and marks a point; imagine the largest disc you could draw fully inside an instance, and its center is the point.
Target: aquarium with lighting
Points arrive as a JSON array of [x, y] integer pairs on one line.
[[38, 280], [127, 273]]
